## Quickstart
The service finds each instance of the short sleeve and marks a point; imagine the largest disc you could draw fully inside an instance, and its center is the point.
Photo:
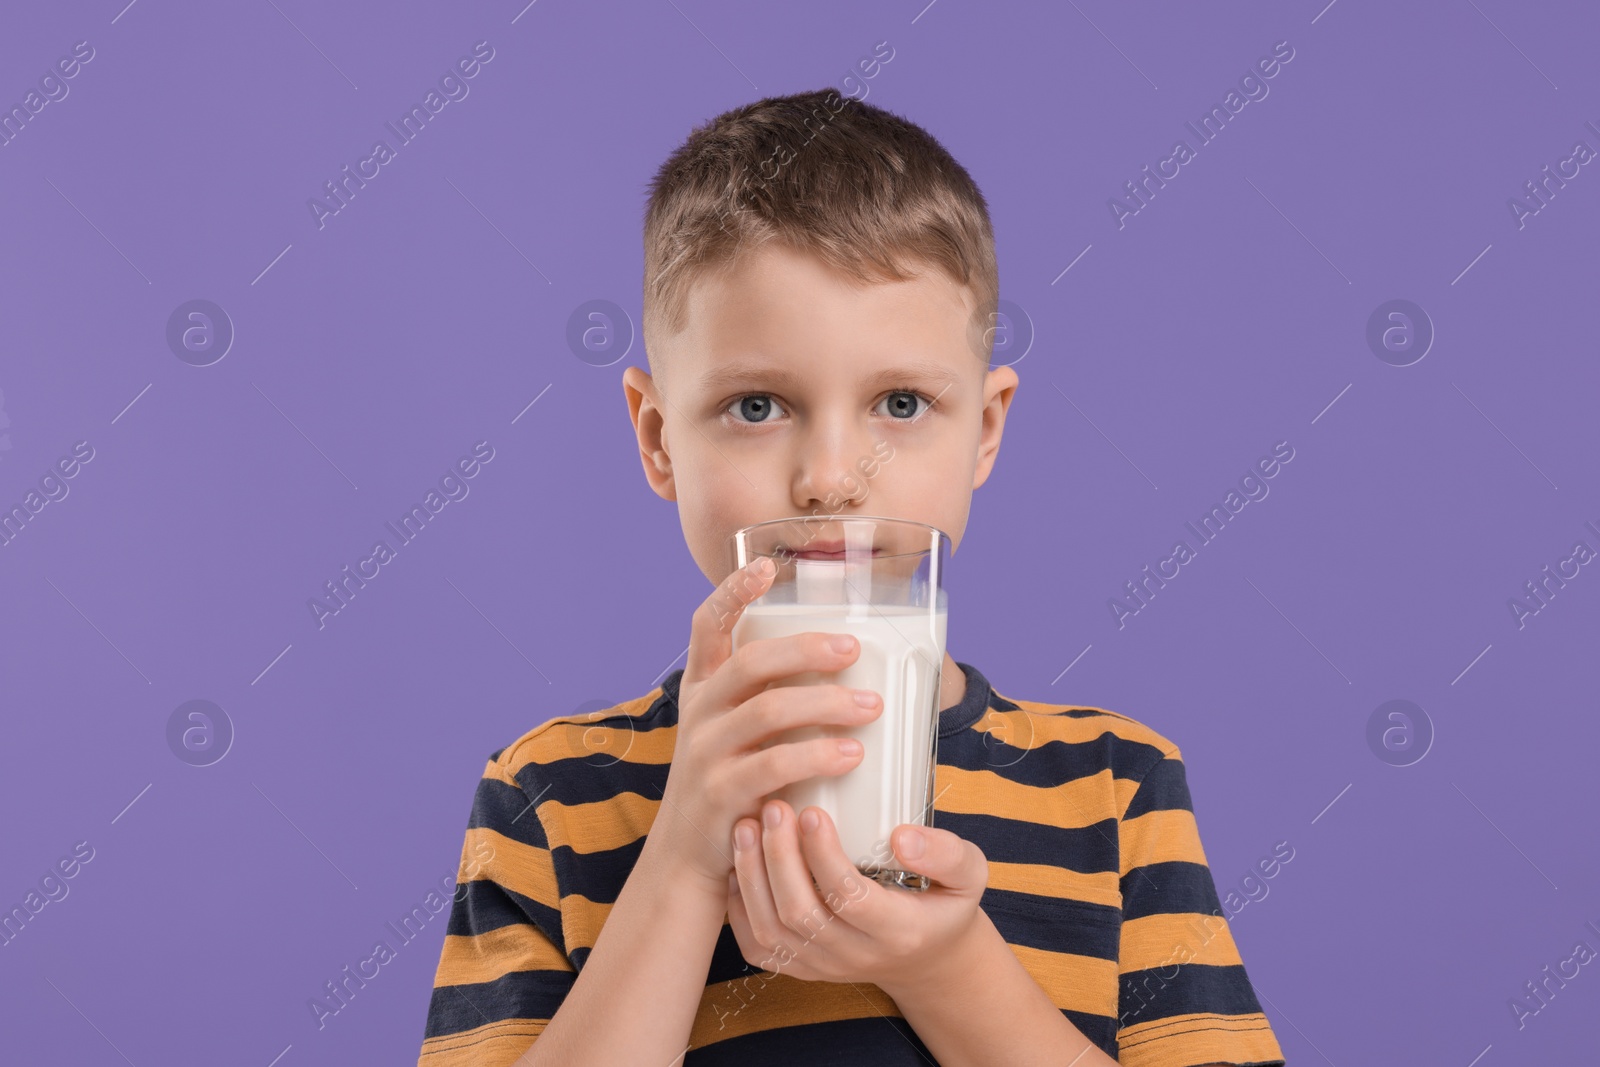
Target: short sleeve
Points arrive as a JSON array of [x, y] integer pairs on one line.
[[503, 970], [1183, 996]]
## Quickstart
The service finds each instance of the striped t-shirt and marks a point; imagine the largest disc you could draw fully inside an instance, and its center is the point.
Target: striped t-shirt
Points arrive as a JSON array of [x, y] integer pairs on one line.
[[1097, 881]]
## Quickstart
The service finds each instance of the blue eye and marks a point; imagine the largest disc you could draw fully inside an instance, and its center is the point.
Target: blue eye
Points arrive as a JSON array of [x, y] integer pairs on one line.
[[903, 405], [755, 407]]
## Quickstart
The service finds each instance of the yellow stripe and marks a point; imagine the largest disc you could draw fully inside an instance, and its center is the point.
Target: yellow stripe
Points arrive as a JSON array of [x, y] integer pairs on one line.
[[521, 868], [1165, 836], [497, 1044], [577, 736], [1079, 983], [1164, 941], [1036, 724], [467, 960], [1047, 881], [1076, 804], [600, 825]]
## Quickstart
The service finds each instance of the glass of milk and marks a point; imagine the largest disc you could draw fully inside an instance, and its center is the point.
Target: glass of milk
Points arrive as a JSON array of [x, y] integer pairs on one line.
[[882, 580]]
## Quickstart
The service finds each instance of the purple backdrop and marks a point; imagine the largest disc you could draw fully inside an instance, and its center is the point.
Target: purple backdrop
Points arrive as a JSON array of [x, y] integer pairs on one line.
[[233, 456]]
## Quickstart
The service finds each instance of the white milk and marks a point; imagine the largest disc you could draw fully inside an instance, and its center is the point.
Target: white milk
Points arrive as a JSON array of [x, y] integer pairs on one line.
[[902, 650]]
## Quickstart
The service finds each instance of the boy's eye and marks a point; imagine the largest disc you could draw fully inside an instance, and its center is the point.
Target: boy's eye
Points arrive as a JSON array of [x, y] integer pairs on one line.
[[756, 408]]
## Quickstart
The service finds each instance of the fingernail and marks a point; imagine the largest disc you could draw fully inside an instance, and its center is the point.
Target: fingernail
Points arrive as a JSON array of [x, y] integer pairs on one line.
[[763, 567], [866, 698], [771, 816], [912, 849], [809, 821], [843, 643], [743, 837]]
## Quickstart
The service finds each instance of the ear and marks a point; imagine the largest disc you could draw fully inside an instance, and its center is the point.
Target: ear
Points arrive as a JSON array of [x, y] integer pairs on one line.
[[649, 425], [999, 385]]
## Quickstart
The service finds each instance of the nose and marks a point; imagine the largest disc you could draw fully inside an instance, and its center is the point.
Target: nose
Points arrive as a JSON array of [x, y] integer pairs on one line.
[[829, 467]]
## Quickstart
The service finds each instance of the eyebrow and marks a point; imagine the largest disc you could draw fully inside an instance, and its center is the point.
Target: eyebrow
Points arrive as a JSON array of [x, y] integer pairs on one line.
[[783, 377]]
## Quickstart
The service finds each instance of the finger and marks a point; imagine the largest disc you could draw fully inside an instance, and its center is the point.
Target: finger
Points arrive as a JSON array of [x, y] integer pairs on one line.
[[711, 627], [799, 907], [755, 894], [846, 892], [948, 859], [776, 766], [786, 707], [759, 663]]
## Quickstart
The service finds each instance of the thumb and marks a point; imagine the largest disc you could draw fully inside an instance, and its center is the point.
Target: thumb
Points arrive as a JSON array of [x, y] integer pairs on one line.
[[948, 859]]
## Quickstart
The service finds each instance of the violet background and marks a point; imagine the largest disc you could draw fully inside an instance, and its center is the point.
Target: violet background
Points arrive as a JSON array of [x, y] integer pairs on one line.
[[431, 311]]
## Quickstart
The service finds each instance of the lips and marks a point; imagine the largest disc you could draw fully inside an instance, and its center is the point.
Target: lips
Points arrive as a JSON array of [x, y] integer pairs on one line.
[[830, 550]]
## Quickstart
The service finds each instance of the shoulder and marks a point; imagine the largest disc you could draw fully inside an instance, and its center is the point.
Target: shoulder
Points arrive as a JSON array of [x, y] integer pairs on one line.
[[636, 731], [1130, 747]]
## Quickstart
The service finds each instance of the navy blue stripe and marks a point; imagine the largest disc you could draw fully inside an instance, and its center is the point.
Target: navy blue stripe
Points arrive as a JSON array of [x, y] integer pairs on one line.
[[1088, 849], [1174, 886], [506, 809], [1043, 765], [483, 905], [1165, 787], [1054, 925], [518, 995], [1182, 989]]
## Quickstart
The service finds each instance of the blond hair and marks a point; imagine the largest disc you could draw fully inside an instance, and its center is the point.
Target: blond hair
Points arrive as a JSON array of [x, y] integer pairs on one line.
[[866, 191]]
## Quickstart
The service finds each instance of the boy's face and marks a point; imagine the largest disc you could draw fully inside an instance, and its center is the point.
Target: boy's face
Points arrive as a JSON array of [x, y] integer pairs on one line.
[[793, 391]]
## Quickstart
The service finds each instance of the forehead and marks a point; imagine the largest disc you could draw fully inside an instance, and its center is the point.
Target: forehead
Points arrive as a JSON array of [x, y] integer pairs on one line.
[[786, 315]]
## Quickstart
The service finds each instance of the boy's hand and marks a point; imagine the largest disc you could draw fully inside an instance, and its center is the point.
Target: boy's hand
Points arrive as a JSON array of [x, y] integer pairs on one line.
[[719, 770], [846, 927]]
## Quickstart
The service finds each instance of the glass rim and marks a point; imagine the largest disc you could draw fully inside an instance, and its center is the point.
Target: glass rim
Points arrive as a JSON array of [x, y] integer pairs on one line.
[[940, 534]]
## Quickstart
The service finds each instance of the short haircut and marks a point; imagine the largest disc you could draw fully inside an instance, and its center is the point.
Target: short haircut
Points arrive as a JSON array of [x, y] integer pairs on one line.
[[866, 191]]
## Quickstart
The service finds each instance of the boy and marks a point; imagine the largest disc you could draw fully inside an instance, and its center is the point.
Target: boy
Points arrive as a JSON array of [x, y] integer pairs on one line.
[[818, 275]]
